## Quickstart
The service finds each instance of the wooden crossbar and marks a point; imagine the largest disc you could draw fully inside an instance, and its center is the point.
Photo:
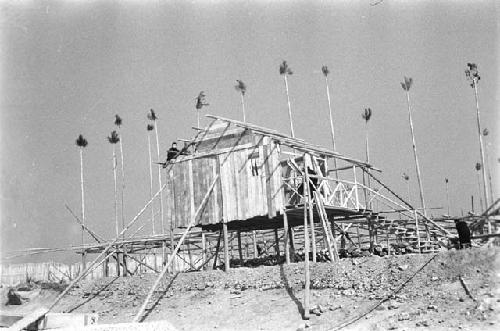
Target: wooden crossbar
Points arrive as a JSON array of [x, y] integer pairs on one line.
[[174, 253]]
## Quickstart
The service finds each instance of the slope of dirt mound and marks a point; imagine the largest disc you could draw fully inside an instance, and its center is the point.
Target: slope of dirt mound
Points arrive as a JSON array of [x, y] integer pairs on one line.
[[270, 298]]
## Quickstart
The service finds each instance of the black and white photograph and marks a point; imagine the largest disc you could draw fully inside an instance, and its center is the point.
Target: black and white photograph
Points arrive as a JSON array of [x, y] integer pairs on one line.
[[249, 165]]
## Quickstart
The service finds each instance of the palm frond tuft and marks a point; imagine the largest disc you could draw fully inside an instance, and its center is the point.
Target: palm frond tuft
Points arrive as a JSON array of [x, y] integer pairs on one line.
[[81, 142], [114, 138], [241, 87], [407, 83], [367, 114], [446, 180], [472, 74], [406, 176], [152, 115], [285, 69], [200, 100], [118, 120], [150, 127], [478, 166], [486, 132], [325, 70]]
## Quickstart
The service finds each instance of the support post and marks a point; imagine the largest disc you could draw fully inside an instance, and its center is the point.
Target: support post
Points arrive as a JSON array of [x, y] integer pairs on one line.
[[254, 239], [277, 242], [240, 251], [118, 272], [226, 247], [203, 249], [286, 238], [311, 215], [84, 260], [217, 249], [124, 258], [417, 231]]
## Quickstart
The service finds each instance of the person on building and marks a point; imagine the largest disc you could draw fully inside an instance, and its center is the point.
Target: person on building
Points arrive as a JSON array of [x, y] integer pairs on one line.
[[172, 152], [463, 234]]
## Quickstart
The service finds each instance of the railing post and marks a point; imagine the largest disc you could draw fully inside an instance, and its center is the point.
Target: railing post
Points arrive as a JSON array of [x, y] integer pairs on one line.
[[355, 188]]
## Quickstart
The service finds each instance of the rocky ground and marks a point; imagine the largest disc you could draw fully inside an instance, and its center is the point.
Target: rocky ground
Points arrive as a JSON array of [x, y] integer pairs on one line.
[[454, 290]]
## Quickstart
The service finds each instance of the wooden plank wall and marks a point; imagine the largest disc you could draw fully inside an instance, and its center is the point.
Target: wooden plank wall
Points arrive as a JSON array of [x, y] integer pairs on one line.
[[250, 183]]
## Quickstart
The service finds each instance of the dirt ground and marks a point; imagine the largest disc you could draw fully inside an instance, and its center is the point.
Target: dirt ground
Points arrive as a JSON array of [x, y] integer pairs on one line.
[[367, 293]]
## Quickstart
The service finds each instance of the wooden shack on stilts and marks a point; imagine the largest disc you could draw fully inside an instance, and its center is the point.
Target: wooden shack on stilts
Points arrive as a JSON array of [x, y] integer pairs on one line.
[[238, 181]]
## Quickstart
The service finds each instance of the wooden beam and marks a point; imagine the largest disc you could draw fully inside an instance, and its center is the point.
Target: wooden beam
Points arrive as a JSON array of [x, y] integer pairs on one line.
[[226, 247], [319, 206], [286, 237], [239, 247], [277, 242], [70, 286], [174, 253]]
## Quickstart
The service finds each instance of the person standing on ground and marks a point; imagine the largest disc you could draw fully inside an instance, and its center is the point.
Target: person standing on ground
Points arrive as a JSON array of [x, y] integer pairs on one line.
[[463, 234]]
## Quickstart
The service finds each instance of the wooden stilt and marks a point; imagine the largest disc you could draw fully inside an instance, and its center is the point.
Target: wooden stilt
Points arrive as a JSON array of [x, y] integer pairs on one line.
[[313, 234], [189, 255], [203, 249], [255, 250], [286, 237], [291, 235], [124, 258], [117, 258], [240, 251], [292, 238], [84, 260], [105, 268], [417, 231], [277, 242], [226, 247], [387, 240], [359, 235], [370, 232], [217, 249]]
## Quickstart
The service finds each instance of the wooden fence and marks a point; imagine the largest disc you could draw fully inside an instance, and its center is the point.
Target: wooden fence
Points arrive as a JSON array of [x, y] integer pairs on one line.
[[13, 274]]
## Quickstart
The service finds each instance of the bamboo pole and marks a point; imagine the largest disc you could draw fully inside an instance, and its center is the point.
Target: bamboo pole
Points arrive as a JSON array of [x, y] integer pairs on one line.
[[116, 189], [332, 129], [151, 184], [174, 253], [313, 234], [481, 149], [289, 106], [417, 232], [83, 201], [85, 227], [159, 180], [243, 107], [307, 284], [419, 176], [114, 241]]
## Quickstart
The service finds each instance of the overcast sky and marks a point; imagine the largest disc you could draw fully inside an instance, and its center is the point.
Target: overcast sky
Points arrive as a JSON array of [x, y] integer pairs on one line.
[[67, 67]]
